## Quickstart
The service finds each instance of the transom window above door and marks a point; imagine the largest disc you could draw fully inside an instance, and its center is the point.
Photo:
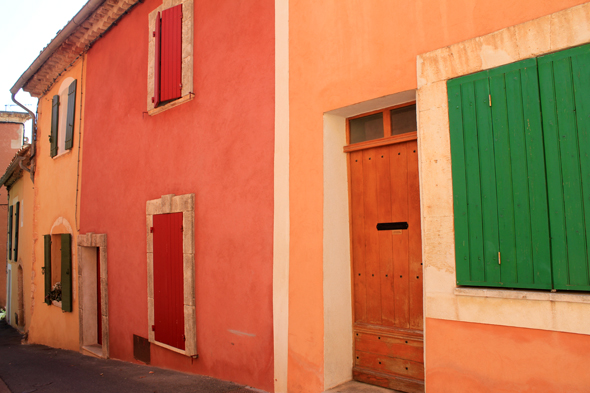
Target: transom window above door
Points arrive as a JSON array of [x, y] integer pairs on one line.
[[380, 126]]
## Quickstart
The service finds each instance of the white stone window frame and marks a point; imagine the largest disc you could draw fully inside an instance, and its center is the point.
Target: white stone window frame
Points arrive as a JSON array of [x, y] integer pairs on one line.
[[167, 204], [186, 93], [92, 240]]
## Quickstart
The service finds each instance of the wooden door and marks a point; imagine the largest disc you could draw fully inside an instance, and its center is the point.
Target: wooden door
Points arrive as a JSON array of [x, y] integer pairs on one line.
[[387, 267]]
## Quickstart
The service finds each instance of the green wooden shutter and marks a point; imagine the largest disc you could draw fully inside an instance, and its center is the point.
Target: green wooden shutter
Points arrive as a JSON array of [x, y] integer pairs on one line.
[[565, 85], [66, 272], [499, 186], [47, 267], [10, 216], [54, 125], [71, 115], [16, 226]]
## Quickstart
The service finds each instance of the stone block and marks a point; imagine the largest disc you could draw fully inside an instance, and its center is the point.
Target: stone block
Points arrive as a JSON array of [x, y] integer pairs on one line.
[[104, 293], [437, 187], [182, 203], [150, 274], [570, 27], [534, 37], [433, 134], [189, 279], [167, 203], [190, 330], [188, 234], [154, 206], [187, 75], [100, 240], [499, 48], [464, 58], [438, 244], [433, 66], [151, 335], [103, 262], [432, 96], [149, 235]]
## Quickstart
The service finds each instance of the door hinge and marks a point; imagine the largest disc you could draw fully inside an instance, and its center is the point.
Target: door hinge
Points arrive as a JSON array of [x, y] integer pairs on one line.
[[153, 328], [183, 338], [151, 229], [181, 228], [490, 97], [499, 258]]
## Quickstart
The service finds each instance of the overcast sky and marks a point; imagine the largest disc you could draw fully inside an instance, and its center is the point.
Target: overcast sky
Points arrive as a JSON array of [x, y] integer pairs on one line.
[[26, 27]]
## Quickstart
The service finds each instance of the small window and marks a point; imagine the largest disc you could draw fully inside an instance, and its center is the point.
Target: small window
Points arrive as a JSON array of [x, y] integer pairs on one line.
[[388, 122], [58, 270], [63, 115]]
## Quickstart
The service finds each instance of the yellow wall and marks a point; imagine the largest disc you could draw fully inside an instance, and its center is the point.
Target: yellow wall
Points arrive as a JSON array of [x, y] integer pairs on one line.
[[22, 191], [56, 201]]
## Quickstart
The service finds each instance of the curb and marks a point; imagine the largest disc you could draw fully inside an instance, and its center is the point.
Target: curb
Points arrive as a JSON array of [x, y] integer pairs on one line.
[[3, 387]]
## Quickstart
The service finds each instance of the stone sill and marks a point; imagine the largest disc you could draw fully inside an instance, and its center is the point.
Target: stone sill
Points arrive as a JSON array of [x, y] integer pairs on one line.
[[56, 303], [576, 297], [62, 154], [171, 104]]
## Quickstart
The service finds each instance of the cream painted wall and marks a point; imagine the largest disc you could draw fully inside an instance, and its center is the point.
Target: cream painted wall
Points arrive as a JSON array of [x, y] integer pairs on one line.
[[559, 311]]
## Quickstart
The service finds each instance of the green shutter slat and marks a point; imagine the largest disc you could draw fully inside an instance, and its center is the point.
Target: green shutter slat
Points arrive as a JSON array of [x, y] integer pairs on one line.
[[506, 224], [66, 272], [71, 115], [474, 213], [54, 125], [10, 216], [535, 156], [16, 225], [489, 204], [554, 180], [47, 266], [459, 183], [581, 73]]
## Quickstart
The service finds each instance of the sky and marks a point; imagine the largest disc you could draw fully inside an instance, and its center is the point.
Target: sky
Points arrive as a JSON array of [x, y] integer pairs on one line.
[[26, 27]]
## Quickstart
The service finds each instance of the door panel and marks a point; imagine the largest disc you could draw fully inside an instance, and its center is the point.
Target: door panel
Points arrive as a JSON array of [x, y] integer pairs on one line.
[[387, 267]]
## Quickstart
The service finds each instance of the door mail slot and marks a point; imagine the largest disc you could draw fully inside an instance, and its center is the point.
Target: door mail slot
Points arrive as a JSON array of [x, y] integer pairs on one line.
[[391, 226]]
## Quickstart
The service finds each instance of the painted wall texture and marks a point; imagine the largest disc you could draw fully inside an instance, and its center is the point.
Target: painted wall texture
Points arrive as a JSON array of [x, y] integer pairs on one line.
[[347, 52], [219, 146], [10, 142], [55, 205]]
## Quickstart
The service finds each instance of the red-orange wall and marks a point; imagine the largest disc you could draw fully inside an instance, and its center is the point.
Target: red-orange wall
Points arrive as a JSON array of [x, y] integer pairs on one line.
[[472, 357], [218, 146]]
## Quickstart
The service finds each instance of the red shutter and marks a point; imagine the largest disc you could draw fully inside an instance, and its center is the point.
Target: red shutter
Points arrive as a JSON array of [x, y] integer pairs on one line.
[[171, 54], [168, 280], [157, 60]]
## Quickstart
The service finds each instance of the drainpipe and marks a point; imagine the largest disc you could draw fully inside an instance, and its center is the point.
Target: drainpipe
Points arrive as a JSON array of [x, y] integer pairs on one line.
[[33, 138]]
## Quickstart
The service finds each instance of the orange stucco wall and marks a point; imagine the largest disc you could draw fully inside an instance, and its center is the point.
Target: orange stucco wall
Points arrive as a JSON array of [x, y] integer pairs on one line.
[[344, 52], [218, 146], [473, 357], [56, 183]]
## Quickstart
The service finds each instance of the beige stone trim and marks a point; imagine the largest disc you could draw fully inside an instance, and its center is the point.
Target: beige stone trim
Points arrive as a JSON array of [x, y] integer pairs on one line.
[[184, 204], [95, 241], [442, 299], [187, 55]]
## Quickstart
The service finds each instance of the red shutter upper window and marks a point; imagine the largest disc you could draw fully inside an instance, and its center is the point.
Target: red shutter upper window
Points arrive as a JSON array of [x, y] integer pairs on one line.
[[168, 56]]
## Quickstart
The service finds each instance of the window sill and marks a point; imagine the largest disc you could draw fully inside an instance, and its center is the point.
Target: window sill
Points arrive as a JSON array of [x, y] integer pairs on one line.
[[56, 303], [64, 153], [576, 297], [171, 104]]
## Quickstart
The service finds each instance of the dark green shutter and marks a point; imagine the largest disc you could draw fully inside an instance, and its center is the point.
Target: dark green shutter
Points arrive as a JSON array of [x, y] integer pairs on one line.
[[66, 272], [499, 179], [54, 125], [16, 226], [71, 115], [47, 267], [565, 96], [10, 216]]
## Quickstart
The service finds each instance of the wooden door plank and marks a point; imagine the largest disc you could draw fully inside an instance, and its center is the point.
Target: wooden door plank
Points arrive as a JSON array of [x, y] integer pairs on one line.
[[371, 237], [399, 209], [581, 75], [358, 236], [390, 365], [414, 239], [385, 237], [524, 257], [476, 256], [396, 347], [506, 231], [572, 190]]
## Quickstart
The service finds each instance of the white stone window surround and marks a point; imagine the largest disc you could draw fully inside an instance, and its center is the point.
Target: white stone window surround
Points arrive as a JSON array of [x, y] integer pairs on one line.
[[184, 204], [63, 109], [556, 311], [86, 244], [187, 55]]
